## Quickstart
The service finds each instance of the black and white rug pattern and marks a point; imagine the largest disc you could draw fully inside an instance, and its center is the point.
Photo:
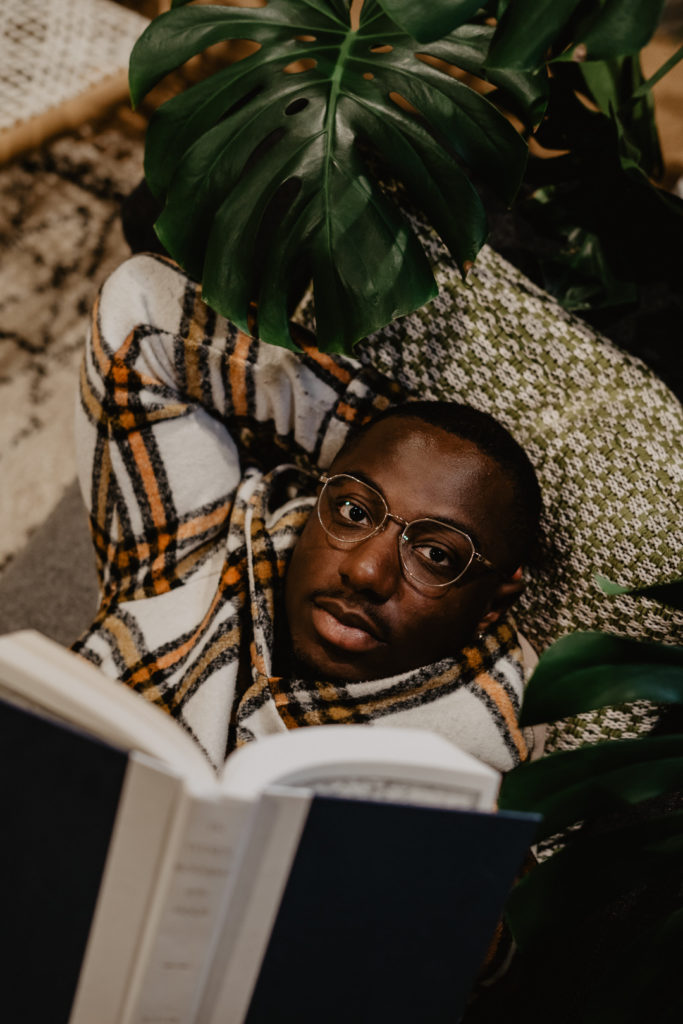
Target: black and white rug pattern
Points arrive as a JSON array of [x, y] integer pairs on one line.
[[60, 235]]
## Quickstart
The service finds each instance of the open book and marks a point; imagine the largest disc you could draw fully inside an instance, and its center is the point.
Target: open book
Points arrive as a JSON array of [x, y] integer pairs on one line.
[[334, 873]]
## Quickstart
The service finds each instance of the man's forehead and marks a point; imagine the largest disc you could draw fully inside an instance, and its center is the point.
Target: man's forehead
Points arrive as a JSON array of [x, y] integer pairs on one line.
[[385, 436], [417, 455], [424, 471]]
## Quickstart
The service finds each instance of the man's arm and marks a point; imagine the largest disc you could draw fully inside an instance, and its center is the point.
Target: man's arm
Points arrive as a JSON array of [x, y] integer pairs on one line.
[[174, 401]]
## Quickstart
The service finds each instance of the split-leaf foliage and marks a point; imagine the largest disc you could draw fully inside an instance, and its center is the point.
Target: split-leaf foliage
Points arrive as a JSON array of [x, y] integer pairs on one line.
[[272, 169], [622, 803]]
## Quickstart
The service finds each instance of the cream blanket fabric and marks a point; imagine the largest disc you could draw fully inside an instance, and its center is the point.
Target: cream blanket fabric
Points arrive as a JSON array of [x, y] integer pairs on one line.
[[197, 447]]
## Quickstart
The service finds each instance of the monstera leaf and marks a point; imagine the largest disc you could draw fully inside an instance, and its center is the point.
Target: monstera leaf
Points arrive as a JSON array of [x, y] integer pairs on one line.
[[270, 168], [430, 21], [528, 29], [627, 796], [531, 31]]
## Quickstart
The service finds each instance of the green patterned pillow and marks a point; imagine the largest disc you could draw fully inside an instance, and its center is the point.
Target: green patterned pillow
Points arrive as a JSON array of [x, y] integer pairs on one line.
[[602, 430]]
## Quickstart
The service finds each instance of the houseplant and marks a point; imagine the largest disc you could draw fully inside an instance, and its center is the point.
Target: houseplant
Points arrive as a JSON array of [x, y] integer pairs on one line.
[[271, 170], [599, 922]]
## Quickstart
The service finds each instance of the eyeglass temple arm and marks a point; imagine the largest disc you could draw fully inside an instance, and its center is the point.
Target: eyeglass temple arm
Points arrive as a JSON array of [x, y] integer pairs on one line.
[[504, 575], [489, 565]]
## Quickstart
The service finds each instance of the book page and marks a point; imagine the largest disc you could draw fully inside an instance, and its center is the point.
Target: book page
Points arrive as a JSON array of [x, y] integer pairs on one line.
[[186, 921], [377, 755], [396, 791], [252, 904], [133, 870]]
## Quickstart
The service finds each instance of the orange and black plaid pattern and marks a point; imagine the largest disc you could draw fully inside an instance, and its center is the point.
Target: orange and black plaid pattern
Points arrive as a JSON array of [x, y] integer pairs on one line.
[[198, 447]]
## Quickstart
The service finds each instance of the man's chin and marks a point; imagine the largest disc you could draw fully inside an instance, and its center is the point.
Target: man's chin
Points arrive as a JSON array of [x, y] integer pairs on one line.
[[322, 665]]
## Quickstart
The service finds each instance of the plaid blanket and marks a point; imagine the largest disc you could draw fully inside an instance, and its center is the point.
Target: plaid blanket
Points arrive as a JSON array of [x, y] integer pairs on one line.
[[198, 448]]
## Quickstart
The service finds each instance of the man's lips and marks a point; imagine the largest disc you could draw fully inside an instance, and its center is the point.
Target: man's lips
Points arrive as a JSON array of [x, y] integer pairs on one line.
[[345, 627]]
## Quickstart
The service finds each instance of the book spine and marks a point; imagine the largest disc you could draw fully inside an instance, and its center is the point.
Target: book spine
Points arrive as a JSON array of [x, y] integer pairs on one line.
[[144, 819]]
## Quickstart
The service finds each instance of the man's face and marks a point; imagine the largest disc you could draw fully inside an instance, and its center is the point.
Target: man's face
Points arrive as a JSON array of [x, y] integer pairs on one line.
[[352, 611]]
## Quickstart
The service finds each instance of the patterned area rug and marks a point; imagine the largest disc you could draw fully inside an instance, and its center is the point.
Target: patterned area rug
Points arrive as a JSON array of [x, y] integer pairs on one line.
[[60, 235]]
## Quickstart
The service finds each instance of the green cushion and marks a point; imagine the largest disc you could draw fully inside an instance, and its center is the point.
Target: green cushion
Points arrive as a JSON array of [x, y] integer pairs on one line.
[[602, 430]]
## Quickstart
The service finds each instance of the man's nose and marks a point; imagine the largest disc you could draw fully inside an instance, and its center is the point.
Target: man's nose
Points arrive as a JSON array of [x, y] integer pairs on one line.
[[373, 565]]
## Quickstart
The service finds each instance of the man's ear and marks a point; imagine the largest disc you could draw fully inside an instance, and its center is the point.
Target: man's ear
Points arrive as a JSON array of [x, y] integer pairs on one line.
[[504, 595]]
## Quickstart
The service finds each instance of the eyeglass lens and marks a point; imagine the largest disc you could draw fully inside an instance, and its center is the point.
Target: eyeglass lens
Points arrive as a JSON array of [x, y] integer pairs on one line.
[[433, 553]]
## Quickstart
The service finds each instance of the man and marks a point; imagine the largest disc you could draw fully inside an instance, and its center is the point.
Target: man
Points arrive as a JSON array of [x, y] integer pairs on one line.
[[369, 593], [258, 573]]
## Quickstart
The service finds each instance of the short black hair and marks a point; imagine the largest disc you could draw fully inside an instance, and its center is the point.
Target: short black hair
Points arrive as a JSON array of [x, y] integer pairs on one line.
[[493, 440]]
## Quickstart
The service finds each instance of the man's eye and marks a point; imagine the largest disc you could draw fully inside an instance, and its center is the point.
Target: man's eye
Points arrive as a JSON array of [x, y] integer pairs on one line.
[[435, 555], [353, 513]]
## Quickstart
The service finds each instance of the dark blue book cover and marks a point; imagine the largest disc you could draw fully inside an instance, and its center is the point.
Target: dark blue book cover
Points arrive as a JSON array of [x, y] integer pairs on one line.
[[388, 913], [59, 793]]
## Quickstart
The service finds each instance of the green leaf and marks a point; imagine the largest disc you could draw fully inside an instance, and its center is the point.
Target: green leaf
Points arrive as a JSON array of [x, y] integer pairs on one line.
[[226, 155], [594, 256], [526, 31], [531, 31], [594, 780], [428, 21], [620, 27], [175, 36], [446, 194], [668, 593], [673, 60], [462, 120], [605, 82], [635, 975], [580, 274], [336, 202], [588, 872], [585, 671], [613, 85], [495, 8], [467, 48]]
